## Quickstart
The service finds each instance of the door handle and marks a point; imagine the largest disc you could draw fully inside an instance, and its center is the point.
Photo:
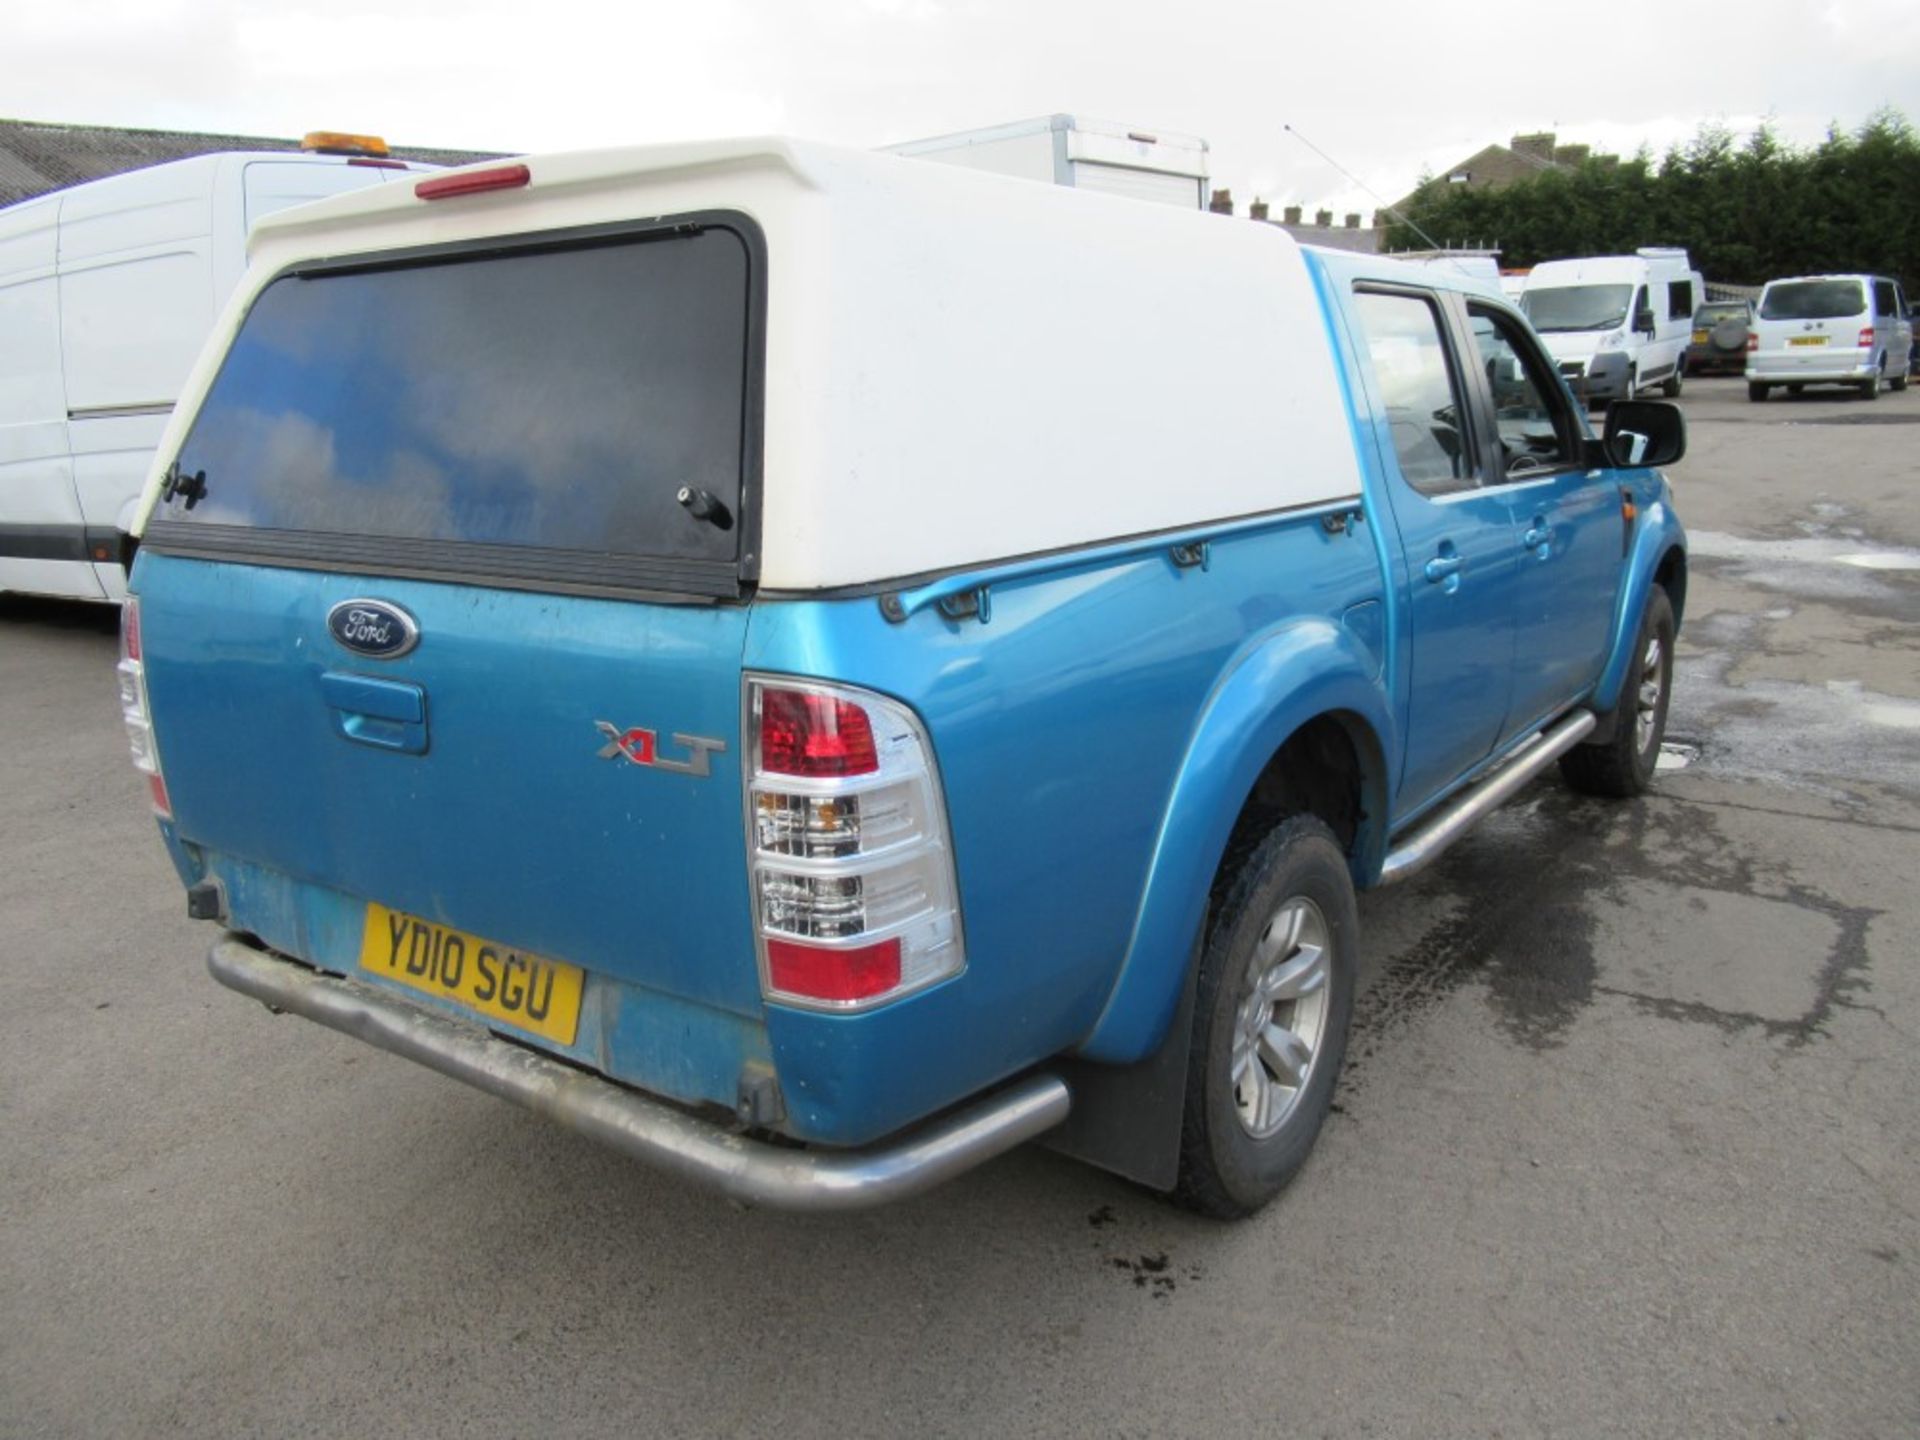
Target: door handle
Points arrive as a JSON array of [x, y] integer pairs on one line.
[[1443, 567], [386, 714], [1538, 536]]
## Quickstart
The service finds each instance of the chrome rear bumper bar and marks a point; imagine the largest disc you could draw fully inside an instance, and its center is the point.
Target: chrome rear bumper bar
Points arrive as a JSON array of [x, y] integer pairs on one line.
[[751, 1171]]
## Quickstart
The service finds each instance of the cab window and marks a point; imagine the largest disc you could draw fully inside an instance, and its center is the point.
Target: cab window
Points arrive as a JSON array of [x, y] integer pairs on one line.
[[1532, 420], [1418, 390]]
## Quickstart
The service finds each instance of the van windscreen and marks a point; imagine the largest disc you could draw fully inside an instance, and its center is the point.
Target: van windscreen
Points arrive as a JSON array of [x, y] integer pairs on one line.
[[544, 402], [1576, 307], [1814, 300]]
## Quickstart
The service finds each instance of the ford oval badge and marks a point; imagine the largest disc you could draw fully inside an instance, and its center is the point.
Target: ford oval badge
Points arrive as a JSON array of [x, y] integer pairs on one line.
[[374, 628]]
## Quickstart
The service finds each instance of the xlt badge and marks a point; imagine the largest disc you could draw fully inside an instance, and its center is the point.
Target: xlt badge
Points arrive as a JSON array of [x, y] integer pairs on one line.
[[642, 747]]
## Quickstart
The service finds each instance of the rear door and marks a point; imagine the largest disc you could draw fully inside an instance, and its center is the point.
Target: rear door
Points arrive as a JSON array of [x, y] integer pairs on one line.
[[1812, 327], [428, 626], [1456, 535]]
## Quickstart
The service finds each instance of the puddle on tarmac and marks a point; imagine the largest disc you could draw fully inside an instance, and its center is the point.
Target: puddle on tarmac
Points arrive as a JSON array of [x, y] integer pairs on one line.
[[1825, 738], [1812, 550], [1883, 560], [1888, 710]]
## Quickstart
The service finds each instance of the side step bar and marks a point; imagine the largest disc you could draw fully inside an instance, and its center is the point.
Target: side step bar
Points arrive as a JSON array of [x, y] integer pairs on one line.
[[753, 1172], [1458, 815]]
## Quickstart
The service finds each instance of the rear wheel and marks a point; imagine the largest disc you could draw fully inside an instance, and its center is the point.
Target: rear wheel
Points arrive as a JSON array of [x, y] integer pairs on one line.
[[1756, 392], [1671, 386], [1274, 998], [1870, 388], [1899, 381], [1622, 766]]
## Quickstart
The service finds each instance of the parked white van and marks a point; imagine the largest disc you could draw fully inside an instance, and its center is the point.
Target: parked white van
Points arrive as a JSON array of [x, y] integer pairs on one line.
[[1616, 324], [1830, 330], [107, 292]]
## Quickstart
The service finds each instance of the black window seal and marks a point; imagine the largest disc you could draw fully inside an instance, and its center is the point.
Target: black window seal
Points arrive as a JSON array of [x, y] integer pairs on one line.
[[523, 567], [1471, 423]]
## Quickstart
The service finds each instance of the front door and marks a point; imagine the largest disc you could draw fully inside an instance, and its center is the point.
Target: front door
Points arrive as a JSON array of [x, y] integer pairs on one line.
[[1569, 521]]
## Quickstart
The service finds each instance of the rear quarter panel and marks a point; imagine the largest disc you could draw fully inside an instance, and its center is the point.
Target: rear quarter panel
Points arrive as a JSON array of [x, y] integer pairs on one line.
[[1063, 727]]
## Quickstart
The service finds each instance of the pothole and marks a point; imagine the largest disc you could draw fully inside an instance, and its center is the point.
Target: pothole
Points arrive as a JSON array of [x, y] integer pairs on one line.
[[1676, 755]]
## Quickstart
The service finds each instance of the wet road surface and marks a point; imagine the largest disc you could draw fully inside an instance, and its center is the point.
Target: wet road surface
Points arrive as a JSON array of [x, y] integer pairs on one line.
[[1628, 1144]]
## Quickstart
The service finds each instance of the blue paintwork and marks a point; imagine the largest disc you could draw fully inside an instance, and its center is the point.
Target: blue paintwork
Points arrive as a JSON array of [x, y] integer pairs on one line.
[[1657, 533], [1062, 729], [1283, 677], [1096, 737]]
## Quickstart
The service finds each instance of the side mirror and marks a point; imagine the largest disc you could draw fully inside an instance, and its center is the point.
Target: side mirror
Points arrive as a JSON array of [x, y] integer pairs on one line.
[[1644, 432], [1643, 321]]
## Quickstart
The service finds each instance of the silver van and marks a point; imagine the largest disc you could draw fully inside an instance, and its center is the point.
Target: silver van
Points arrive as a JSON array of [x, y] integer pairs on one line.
[[1829, 330]]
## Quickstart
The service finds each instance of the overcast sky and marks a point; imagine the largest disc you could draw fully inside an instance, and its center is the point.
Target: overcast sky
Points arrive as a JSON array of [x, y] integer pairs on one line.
[[1388, 89]]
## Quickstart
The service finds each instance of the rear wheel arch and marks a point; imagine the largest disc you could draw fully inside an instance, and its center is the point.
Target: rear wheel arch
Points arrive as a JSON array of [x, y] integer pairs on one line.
[[1332, 766]]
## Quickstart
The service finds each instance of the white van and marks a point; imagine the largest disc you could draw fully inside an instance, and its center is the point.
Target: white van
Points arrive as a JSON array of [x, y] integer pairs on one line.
[[107, 292], [1830, 330], [1080, 153], [1616, 324]]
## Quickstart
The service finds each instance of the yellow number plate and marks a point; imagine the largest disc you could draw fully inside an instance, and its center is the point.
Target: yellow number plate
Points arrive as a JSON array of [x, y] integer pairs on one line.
[[1700, 337], [1807, 340], [528, 992]]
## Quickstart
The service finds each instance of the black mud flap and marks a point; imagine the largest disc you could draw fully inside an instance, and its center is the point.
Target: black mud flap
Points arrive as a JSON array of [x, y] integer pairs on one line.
[[1126, 1118]]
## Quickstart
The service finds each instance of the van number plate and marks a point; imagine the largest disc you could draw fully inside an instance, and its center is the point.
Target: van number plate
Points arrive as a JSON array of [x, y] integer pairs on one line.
[[528, 992], [1807, 340]]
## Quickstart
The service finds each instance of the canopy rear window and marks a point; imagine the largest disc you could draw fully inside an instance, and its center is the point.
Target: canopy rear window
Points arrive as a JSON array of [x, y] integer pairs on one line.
[[525, 416]]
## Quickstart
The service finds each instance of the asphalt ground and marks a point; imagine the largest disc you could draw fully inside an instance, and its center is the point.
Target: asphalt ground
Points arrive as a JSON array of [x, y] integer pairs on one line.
[[1628, 1145]]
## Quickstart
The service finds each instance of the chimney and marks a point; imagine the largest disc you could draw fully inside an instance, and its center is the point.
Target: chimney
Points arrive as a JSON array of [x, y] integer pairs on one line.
[[1323, 218], [1222, 202], [1353, 221], [1290, 215], [1539, 145], [1257, 210], [1379, 219], [1572, 154]]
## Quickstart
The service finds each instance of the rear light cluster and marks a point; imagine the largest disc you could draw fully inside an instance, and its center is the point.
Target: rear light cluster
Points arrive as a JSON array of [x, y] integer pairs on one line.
[[855, 901], [135, 710], [1753, 341], [1865, 342]]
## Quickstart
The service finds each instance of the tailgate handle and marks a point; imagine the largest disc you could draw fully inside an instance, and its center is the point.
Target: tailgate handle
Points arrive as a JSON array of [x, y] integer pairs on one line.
[[386, 714]]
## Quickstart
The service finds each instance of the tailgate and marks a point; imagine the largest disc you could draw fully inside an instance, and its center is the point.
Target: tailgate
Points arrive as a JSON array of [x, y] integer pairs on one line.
[[498, 810], [443, 606]]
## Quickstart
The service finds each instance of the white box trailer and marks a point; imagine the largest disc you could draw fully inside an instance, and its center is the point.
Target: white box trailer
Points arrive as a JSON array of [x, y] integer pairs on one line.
[[1085, 154], [107, 292]]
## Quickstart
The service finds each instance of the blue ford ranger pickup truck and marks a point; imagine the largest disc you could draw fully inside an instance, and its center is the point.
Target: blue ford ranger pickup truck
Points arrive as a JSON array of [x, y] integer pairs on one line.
[[814, 668]]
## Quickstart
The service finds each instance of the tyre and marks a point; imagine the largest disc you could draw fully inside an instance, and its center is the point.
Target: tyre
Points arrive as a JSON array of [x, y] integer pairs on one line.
[[1796, 389], [1670, 387], [1622, 766], [1270, 1016], [1870, 388], [1632, 390], [1756, 392], [1898, 382]]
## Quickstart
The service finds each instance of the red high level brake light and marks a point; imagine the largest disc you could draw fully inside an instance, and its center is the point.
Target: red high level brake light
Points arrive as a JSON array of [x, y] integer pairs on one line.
[[473, 182]]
